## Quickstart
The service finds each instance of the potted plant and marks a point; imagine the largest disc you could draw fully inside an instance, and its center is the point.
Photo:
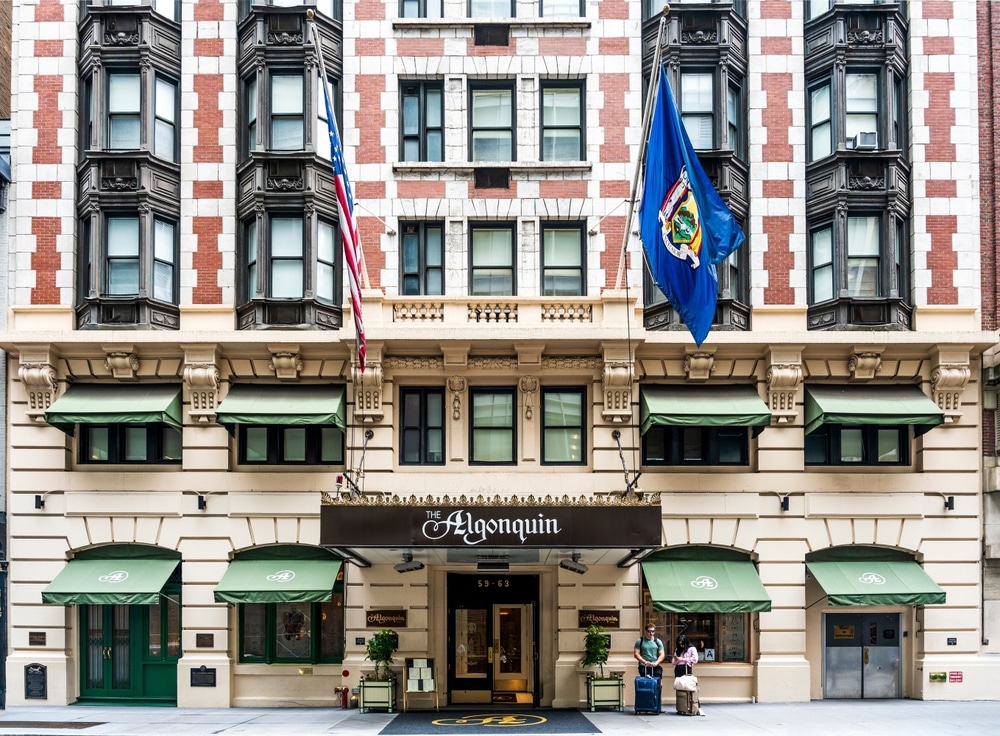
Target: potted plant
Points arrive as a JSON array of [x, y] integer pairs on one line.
[[380, 691], [601, 691]]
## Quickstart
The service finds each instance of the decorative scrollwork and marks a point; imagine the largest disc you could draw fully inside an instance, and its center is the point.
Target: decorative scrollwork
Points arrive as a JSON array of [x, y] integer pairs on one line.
[[385, 499]]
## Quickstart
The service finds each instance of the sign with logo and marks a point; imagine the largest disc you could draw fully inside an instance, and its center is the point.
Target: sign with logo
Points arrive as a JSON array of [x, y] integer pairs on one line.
[[594, 526], [607, 619], [118, 576], [391, 619], [281, 576], [705, 582]]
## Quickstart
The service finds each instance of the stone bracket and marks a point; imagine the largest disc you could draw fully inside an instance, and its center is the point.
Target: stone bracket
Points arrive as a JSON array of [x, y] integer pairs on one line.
[[285, 362], [699, 365], [948, 382], [121, 361], [38, 376], [865, 363], [368, 386], [618, 379], [201, 374]]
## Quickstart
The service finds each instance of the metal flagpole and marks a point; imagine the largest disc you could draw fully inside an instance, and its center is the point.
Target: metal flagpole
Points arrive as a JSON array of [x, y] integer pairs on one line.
[[647, 119]]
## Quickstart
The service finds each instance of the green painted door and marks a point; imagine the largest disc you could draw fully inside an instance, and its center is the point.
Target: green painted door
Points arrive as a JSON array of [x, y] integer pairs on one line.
[[131, 652]]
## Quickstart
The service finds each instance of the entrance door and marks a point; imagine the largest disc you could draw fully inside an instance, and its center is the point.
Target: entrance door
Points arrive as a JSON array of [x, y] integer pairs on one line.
[[130, 652], [492, 634], [862, 655]]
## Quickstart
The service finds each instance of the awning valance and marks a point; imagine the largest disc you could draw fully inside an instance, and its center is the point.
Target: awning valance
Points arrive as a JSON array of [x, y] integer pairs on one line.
[[126, 581], [286, 405], [702, 406], [876, 583], [278, 581], [878, 405], [89, 403], [705, 586]]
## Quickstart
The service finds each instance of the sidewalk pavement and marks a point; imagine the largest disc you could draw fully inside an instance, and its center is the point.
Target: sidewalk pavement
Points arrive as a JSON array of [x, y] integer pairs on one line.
[[817, 718]]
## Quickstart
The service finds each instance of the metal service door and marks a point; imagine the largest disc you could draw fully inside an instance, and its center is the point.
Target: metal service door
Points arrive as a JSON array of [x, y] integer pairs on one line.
[[862, 655], [512, 649]]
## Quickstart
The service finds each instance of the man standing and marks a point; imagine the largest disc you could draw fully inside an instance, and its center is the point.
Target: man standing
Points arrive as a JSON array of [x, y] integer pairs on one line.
[[649, 653]]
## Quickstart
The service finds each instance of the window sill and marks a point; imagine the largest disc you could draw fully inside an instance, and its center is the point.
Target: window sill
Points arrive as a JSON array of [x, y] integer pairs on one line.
[[400, 24], [468, 167]]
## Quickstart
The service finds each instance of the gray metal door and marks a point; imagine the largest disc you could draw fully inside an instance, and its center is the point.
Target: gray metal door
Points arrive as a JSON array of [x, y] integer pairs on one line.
[[862, 655]]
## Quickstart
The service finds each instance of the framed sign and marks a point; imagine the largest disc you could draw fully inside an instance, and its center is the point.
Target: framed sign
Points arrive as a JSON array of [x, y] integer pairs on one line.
[[607, 619], [386, 619]]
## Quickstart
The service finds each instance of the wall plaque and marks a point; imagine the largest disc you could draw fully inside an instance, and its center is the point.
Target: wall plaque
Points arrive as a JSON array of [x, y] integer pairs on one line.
[[36, 685], [381, 619], [36, 638], [202, 676], [607, 619], [204, 641]]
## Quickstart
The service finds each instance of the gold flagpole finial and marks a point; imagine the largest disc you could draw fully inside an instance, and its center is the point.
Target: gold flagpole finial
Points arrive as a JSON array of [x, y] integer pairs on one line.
[[309, 14], [666, 8]]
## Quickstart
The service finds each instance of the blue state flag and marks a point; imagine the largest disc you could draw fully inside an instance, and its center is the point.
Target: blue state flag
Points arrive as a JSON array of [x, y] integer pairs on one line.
[[685, 226]]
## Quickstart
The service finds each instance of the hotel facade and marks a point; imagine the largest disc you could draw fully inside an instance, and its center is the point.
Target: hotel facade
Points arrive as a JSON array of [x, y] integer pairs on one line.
[[210, 504]]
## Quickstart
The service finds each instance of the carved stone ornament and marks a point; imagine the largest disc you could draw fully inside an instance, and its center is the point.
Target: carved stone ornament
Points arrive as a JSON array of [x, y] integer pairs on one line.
[[783, 381], [864, 366], [948, 382], [203, 382], [456, 384], [368, 392], [286, 365], [699, 366], [528, 386], [39, 381], [122, 365], [618, 379]]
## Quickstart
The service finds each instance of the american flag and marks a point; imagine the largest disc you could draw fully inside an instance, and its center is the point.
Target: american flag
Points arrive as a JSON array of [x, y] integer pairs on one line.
[[348, 226]]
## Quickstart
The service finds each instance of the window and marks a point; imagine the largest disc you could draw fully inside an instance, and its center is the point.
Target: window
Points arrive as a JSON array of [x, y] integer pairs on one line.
[[820, 122], [286, 258], [563, 259], [167, 8], [420, 8], [718, 637], [832, 444], [329, 8], [421, 426], [492, 433], [291, 445], [696, 108], [491, 8], [326, 263], [322, 136], [305, 633], [290, 273], [491, 260], [563, 426], [682, 445], [562, 8], [853, 262], [287, 111], [860, 108], [143, 444], [735, 137], [562, 122], [122, 250], [421, 259], [164, 260], [821, 264], [165, 120], [492, 123], [124, 111], [422, 127], [250, 98]]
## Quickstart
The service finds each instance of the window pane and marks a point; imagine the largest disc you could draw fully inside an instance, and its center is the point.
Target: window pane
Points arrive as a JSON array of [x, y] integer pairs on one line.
[[434, 246], [433, 105], [123, 236], [124, 93], [331, 628], [730, 446], [252, 621], [163, 241], [163, 282], [561, 107], [851, 445], [563, 409], [123, 277], [696, 92], [699, 130], [491, 108], [863, 256], [493, 446], [294, 445], [691, 444], [166, 100], [822, 263], [860, 93], [286, 94], [331, 445], [286, 237], [491, 146], [286, 279], [435, 446], [492, 247], [172, 444], [135, 444], [888, 446], [553, 8], [292, 632], [561, 145], [287, 135], [489, 8], [563, 446], [98, 441], [492, 410], [255, 445]]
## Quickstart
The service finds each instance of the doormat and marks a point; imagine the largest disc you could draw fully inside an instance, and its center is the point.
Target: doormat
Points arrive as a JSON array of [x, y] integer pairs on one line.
[[459, 723]]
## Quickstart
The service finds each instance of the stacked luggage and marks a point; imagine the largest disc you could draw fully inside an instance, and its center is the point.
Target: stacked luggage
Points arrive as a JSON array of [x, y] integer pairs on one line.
[[686, 687]]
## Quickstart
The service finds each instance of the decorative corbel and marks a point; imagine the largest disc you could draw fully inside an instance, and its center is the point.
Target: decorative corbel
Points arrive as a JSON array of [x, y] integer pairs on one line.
[[122, 362], [203, 382], [528, 386], [285, 362], [39, 380], [368, 389], [617, 391], [948, 382], [783, 381], [699, 366], [456, 384], [864, 365]]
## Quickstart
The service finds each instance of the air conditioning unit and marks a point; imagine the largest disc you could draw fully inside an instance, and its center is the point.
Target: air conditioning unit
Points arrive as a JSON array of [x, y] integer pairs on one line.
[[865, 142]]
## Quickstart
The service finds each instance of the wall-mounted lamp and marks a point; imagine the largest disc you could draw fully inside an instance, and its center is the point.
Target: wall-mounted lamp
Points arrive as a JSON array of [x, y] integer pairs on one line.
[[202, 502], [408, 564], [39, 501], [574, 565], [784, 503], [949, 503]]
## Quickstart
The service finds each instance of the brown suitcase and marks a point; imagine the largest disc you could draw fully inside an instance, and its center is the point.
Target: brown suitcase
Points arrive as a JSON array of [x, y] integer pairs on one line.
[[687, 703]]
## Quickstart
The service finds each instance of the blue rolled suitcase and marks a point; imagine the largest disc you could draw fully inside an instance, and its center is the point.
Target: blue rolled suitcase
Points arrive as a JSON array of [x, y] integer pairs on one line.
[[647, 693]]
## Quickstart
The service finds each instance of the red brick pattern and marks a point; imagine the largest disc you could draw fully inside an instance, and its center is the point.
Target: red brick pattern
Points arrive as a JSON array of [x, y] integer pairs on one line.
[[208, 10], [562, 189], [778, 259], [207, 260], [370, 190], [613, 230], [614, 118], [942, 259], [420, 47], [46, 190], [47, 120], [612, 10], [568, 46], [420, 189], [372, 9], [45, 261], [472, 50]]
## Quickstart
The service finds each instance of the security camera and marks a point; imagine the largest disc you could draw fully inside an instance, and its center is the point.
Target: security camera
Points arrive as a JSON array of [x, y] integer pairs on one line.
[[574, 565], [408, 564]]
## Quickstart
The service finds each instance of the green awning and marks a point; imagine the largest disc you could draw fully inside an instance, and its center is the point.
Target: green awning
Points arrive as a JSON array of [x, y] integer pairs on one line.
[[278, 581], [878, 405], [127, 581], [876, 583], [702, 406], [287, 405], [705, 586], [91, 403]]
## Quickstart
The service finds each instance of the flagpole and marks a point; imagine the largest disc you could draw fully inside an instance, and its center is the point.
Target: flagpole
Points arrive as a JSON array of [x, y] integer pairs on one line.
[[647, 119]]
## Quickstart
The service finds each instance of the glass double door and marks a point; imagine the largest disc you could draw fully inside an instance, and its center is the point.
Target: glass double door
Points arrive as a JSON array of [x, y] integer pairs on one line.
[[130, 652], [492, 653]]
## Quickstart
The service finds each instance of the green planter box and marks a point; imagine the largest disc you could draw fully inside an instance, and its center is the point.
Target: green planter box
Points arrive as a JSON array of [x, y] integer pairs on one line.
[[377, 694], [605, 692]]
